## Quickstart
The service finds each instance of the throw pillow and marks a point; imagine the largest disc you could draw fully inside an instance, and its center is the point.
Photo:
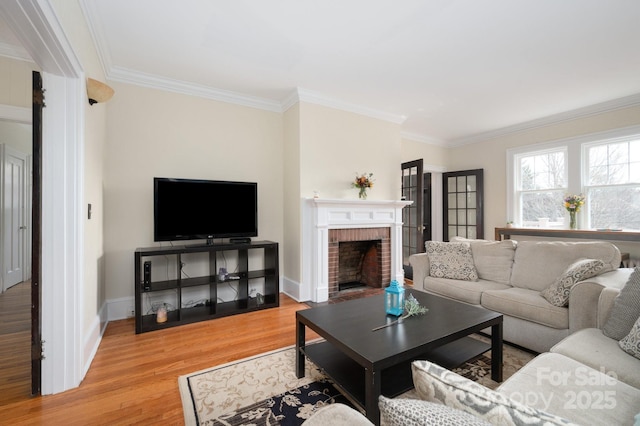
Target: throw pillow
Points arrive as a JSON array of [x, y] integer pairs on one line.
[[625, 310], [493, 259], [631, 342], [558, 292], [437, 384], [415, 412], [451, 260]]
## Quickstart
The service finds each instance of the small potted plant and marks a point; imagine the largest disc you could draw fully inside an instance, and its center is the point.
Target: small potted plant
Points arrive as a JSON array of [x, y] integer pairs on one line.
[[510, 224]]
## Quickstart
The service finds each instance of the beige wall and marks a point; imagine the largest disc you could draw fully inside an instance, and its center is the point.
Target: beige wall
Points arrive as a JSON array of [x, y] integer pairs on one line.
[[16, 135], [491, 156], [154, 133], [432, 155], [336, 144], [15, 82], [291, 250]]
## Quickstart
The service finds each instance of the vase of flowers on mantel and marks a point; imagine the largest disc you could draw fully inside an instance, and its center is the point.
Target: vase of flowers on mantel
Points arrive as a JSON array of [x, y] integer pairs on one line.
[[363, 182], [573, 203]]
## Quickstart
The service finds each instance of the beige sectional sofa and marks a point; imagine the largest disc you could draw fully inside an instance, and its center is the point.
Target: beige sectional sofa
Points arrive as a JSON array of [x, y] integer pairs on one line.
[[585, 379], [509, 278]]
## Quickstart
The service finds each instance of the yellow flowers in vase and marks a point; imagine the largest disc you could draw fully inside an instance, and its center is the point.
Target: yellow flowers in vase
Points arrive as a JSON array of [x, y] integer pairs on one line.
[[573, 203]]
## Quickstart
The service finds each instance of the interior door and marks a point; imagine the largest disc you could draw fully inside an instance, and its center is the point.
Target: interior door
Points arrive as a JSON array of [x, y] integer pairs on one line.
[[13, 216], [416, 218], [463, 204], [36, 234]]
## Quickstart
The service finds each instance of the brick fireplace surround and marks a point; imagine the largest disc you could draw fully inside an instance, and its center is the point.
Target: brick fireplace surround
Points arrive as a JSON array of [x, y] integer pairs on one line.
[[353, 220]]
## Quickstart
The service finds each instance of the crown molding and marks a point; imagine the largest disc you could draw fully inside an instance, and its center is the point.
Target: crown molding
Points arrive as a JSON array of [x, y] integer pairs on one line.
[[424, 139], [600, 108], [156, 82], [304, 95], [14, 113], [14, 52]]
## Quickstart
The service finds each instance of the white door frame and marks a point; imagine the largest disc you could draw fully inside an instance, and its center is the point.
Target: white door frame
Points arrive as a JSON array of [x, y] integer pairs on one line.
[[36, 25]]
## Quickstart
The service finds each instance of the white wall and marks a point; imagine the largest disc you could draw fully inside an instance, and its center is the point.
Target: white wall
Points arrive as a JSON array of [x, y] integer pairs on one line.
[[16, 135], [153, 133]]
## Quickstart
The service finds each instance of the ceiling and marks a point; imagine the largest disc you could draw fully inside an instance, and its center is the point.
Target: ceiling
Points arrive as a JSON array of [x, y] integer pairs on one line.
[[450, 71]]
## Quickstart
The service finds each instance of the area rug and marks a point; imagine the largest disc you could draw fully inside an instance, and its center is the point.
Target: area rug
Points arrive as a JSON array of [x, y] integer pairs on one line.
[[264, 389]]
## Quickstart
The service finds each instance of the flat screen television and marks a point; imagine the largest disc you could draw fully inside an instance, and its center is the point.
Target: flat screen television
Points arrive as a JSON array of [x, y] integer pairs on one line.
[[191, 209]]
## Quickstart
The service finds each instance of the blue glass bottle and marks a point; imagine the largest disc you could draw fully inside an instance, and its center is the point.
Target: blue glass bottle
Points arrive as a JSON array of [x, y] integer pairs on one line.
[[394, 299]]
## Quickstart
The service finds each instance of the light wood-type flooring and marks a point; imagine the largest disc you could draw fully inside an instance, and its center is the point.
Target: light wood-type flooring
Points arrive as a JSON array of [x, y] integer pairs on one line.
[[134, 378], [15, 343]]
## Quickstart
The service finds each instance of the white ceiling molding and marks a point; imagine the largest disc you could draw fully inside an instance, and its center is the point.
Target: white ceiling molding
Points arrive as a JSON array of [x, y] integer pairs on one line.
[[600, 108], [14, 113], [157, 82], [304, 95], [423, 138], [14, 52]]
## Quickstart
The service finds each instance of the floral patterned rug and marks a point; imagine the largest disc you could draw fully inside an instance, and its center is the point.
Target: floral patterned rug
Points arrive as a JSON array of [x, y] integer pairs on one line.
[[264, 389]]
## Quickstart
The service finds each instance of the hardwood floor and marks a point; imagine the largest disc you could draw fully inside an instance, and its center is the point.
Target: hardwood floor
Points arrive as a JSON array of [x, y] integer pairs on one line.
[[15, 343], [134, 378]]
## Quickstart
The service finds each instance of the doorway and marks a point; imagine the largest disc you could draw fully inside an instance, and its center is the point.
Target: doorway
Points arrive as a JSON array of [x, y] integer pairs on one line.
[[417, 222], [15, 258]]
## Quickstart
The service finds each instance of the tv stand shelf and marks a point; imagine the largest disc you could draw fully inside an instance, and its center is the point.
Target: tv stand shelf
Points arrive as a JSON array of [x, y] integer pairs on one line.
[[267, 276]]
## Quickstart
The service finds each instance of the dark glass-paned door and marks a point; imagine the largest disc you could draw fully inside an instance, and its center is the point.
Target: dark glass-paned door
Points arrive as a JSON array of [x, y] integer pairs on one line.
[[463, 197]]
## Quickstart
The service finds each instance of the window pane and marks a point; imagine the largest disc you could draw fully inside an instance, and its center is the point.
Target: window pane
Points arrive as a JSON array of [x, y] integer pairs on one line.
[[613, 207], [542, 204], [451, 184], [452, 201], [471, 217], [471, 183], [452, 219], [462, 201], [471, 200], [471, 232], [462, 217], [543, 171], [462, 184]]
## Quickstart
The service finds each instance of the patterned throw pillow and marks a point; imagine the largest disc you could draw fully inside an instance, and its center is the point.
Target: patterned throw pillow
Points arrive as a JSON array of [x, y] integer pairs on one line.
[[558, 293], [631, 343], [451, 260], [437, 384], [415, 412], [625, 310]]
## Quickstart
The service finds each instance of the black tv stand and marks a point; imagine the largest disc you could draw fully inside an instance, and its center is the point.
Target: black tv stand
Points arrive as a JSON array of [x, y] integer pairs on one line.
[[265, 275]]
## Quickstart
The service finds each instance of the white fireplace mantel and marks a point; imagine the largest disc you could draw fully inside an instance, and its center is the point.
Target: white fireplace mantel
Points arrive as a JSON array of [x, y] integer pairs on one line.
[[319, 215]]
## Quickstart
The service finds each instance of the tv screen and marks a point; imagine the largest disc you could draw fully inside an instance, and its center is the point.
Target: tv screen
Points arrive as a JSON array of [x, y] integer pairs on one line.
[[190, 209]]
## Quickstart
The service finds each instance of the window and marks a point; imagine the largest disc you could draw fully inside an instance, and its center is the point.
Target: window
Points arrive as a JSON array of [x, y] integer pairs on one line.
[[604, 167], [541, 185], [613, 184]]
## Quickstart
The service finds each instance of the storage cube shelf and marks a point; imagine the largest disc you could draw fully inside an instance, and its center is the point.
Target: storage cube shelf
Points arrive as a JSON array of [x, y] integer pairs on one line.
[[267, 276]]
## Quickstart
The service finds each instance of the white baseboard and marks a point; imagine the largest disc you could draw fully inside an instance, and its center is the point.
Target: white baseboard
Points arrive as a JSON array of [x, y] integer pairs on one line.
[[120, 308], [93, 338], [291, 288]]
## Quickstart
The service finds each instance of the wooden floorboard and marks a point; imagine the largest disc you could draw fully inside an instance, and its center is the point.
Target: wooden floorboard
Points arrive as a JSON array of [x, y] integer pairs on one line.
[[15, 343], [134, 378]]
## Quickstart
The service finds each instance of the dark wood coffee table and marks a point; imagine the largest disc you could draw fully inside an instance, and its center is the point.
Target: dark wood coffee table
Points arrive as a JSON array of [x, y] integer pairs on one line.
[[365, 364]]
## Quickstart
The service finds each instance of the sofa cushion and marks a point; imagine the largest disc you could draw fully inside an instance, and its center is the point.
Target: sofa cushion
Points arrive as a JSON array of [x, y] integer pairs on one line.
[[451, 260], [558, 293], [527, 305], [493, 259], [336, 415], [626, 308], [631, 342], [560, 385], [590, 347], [464, 291], [437, 384], [416, 412], [537, 264]]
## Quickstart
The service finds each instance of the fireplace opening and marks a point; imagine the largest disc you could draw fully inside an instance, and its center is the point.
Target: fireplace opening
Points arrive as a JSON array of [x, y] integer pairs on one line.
[[358, 259]]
